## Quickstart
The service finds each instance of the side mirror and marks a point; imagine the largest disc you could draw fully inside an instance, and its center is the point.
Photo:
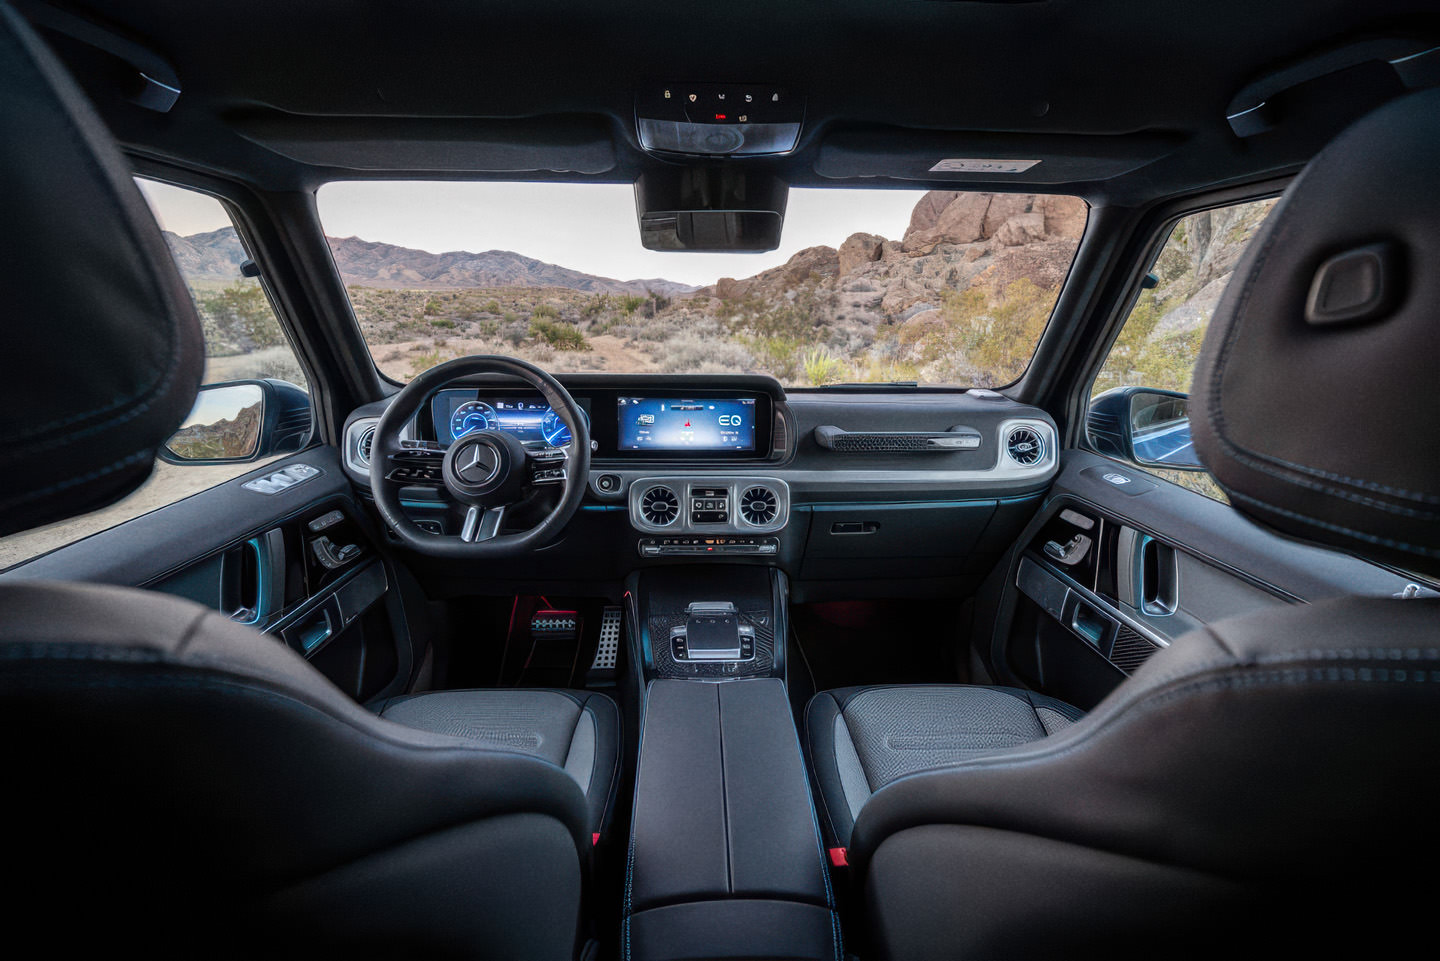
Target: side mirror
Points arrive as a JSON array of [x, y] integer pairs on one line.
[[1144, 425], [243, 420]]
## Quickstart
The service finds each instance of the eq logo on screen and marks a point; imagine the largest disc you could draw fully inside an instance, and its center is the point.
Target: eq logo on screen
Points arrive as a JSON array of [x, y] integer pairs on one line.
[[730, 420]]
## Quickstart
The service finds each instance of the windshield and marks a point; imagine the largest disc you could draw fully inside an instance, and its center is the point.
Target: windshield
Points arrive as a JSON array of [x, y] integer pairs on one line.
[[938, 287]]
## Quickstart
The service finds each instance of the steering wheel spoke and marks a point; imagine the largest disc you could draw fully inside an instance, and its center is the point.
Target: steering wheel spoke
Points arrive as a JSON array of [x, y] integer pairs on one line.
[[481, 523]]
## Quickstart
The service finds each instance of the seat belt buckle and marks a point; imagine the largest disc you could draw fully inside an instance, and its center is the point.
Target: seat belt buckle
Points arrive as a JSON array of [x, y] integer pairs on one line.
[[838, 858]]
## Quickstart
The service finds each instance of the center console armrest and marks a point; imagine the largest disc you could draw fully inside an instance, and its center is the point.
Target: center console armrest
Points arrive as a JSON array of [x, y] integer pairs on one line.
[[724, 836]]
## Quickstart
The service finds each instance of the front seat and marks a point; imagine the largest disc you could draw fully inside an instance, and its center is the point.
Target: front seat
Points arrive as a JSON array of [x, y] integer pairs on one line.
[[1268, 783], [178, 784]]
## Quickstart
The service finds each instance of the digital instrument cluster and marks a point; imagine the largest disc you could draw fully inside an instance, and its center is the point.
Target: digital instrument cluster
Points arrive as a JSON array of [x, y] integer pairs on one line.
[[460, 412]]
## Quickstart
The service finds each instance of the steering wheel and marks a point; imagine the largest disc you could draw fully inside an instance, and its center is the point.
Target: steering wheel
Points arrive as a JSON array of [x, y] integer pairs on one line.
[[482, 474]]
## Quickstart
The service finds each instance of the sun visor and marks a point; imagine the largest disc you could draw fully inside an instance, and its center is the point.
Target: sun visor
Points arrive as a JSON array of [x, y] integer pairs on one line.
[[579, 144], [968, 157]]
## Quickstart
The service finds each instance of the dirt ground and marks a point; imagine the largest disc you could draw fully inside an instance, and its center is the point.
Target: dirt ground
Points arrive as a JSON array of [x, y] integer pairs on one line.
[[168, 484], [607, 353]]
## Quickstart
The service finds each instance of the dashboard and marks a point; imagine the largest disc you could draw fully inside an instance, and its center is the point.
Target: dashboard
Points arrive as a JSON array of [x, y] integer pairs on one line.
[[849, 491]]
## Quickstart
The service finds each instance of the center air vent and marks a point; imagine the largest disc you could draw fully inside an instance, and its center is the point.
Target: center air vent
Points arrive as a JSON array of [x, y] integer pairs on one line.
[[759, 506], [1025, 446], [366, 441], [659, 506]]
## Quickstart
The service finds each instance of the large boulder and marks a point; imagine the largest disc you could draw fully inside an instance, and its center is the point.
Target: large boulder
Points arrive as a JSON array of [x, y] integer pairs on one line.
[[859, 249], [1021, 229]]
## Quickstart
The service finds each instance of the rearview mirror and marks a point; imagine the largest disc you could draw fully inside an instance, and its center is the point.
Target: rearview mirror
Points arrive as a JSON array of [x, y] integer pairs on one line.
[[713, 209], [240, 421], [1144, 425]]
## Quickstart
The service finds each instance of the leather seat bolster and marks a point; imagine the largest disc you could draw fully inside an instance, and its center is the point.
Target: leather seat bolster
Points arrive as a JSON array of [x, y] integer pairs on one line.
[[1200, 758], [321, 780], [577, 731], [860, 739]]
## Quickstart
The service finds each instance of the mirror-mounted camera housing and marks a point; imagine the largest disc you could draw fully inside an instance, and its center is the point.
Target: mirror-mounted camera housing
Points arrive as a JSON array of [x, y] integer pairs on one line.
[[710, 209]]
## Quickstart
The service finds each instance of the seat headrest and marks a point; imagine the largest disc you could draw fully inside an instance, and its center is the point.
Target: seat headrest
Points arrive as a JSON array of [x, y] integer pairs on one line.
[[1316, 402], [103, 346]]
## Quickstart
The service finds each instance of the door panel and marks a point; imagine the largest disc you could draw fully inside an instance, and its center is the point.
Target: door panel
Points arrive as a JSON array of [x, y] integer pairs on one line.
[[1118, 565], [294, 557]]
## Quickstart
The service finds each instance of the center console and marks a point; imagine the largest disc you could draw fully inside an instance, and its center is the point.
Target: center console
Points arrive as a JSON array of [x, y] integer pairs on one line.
[[709, 622], [726, 860]]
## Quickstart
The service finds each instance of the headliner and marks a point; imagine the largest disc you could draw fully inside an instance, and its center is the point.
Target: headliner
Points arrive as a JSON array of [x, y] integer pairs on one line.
[[1124, 101]]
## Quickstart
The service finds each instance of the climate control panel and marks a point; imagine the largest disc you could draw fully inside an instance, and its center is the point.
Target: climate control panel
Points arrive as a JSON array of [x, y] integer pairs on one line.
[[709, 505]]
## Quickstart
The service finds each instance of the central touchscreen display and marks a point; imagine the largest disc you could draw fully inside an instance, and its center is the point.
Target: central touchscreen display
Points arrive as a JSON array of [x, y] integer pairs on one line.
[[680, 424]]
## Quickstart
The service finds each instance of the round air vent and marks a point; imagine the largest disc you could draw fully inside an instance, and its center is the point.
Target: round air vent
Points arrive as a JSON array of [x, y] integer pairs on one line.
[[659, 506], [1025, 446], [362, 447], [759, 506]]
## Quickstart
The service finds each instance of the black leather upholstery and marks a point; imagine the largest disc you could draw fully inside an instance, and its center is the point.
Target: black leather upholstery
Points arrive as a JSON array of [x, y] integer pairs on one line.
[[725, 853], [576, 730], [104, 351], [860, 739], [1263, 785], [175, 757], [182, 785], [1325, 430]]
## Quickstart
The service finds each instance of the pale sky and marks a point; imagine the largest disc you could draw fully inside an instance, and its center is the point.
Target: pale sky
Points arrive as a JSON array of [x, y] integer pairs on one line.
[[586, 227]]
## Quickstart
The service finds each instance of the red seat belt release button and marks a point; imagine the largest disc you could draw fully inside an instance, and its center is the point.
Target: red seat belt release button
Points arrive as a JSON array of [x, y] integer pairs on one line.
[[838, 858]]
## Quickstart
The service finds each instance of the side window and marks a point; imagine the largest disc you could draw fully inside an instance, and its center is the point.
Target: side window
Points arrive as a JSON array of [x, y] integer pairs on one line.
[[234, 427], [1138, 408]]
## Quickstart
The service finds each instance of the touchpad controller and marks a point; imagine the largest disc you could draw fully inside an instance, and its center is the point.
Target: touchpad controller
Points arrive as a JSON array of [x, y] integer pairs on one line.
[[713, 632]]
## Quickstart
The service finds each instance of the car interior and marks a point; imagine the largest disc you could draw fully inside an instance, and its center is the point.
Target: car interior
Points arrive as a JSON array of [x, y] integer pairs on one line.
[[1059, 580]]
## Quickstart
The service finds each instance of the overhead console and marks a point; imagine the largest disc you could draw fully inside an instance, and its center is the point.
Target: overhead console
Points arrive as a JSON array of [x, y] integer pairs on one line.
[[719, 119]]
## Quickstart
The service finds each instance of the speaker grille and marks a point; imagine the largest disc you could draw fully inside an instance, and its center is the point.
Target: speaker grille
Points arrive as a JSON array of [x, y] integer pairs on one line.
[[1130, 650]]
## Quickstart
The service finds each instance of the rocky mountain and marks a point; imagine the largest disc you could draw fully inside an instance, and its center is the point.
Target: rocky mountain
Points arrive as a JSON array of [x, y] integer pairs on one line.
[[955, 241], [227, 438], [369, 264], [208, 258], [215, 256]]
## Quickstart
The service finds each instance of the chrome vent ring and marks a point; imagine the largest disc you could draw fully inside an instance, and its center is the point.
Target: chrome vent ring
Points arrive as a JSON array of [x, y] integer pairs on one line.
[[759, 506], [364, 445], [1025, 445], [659, 506]]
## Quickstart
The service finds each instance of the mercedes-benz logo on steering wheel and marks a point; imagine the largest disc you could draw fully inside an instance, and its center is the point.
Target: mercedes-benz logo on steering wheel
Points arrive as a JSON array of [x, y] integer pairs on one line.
[[478, 464]]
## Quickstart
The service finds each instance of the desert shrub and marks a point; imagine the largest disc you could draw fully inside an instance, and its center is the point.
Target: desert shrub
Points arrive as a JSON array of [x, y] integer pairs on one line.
[[238, 319], [514, 332], [630, 303], [545, 312], [822, 367], [561, 336], [690, 352], [444, 322]]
